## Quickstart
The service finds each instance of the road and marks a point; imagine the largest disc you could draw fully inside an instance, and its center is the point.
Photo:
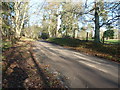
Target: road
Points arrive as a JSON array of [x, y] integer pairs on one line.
[[77, 69]]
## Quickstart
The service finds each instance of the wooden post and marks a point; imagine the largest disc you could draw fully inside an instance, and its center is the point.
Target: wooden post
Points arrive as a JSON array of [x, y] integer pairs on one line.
[[87, 37]]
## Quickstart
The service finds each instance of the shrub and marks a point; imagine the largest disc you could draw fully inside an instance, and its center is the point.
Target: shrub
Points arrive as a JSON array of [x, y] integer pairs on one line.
[[109, 34]]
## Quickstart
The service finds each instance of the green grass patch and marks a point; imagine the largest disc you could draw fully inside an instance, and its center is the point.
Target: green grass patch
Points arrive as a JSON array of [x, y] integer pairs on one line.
[[112, 41]]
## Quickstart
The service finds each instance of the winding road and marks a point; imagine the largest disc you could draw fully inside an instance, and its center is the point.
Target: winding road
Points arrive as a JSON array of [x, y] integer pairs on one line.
[[77, 69]]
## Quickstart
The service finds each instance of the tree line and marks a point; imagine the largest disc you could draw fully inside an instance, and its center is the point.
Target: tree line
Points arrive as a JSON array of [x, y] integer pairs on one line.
[[14, 16], [60, 19]]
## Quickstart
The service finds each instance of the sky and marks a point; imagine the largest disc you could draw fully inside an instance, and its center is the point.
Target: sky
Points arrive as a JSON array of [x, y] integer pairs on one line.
[[35, 18], [36, 5]]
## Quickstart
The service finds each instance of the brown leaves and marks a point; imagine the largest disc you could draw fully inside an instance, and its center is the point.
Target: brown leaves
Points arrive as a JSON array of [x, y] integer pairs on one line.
[[21, 72], [109, 52]]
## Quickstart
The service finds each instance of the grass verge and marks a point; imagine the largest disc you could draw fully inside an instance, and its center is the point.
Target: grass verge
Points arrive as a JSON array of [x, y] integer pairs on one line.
[[107, 51]]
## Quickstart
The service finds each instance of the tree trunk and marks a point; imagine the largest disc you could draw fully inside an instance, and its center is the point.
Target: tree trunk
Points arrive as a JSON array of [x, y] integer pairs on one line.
[[18, 20], [49, 32], [97, 27], [74, 33], [103, 39], [66, 32]]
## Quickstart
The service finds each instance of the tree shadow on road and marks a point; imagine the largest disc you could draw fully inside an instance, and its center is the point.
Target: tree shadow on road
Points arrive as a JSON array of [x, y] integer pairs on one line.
[[40, 71]]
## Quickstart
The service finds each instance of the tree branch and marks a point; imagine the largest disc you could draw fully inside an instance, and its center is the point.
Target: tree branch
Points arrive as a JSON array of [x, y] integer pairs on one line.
[[108, 22]]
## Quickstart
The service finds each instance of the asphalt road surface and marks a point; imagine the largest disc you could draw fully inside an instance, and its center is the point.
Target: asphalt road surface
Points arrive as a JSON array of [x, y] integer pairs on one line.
[[77, 69]]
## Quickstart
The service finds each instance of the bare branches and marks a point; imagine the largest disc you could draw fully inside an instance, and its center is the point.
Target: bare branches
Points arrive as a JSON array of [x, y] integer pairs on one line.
[[110, 21]]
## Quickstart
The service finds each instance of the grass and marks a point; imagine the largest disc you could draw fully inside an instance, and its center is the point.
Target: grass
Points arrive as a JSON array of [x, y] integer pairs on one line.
[[6, 45], [112, 41], [109, 41], [108, 51], [65, 41]]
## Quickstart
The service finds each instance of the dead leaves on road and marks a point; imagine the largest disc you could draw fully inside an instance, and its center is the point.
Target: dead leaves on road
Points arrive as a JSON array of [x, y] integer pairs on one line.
[[20, 71]]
